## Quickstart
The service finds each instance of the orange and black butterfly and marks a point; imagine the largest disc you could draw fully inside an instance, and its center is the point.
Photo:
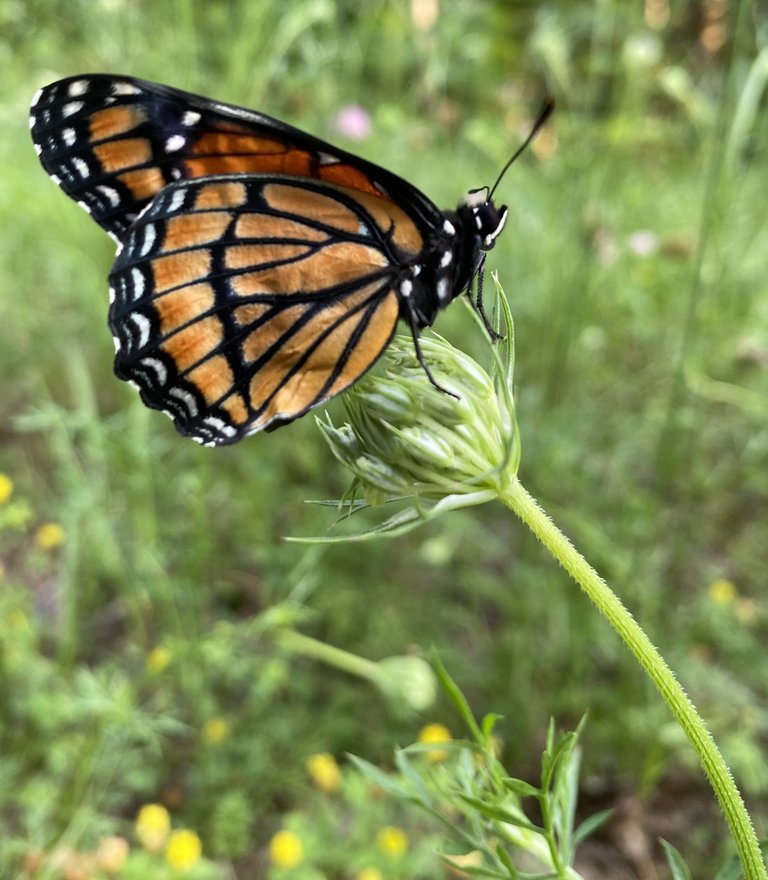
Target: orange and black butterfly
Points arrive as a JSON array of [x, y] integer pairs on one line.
[[260, 270]]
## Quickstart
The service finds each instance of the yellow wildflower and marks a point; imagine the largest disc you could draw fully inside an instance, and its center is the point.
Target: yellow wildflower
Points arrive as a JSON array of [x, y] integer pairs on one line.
[[722, 591], [435, 733], [183, 850], [158, 658], [49, 536], [17, 619], [153, 825], [286, 850], [112, 853], [6, 488], [369, 874], [216, 730], [324, 771], [392, 841]]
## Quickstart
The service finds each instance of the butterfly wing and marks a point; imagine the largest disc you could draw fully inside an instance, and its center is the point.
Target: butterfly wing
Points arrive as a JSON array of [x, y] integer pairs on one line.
[[112, 143], [239, 302]]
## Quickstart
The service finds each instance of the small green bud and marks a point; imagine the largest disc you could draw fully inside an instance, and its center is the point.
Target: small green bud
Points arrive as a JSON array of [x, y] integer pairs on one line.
[[405, 437]]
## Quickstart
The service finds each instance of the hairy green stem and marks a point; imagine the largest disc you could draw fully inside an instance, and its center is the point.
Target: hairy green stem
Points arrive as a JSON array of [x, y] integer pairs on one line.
[[517, 498]]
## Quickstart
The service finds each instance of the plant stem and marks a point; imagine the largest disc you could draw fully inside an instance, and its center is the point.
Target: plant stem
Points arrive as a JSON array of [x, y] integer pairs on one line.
[[517, 498], [309, 647]]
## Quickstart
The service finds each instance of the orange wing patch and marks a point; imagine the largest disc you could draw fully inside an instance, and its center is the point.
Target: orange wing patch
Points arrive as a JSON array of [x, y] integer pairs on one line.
[[311, 383], [181, 268], [195, 343], [125, 153], [144, 183], [189, 230], [222, 194], [114, 121], [183, 306]]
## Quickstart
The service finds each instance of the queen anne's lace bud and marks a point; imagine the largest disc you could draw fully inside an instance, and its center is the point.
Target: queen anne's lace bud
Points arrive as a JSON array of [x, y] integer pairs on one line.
[[406, 438]]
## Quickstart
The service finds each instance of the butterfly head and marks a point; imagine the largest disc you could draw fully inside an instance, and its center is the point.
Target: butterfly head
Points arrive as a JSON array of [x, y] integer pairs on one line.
[[487, 219]]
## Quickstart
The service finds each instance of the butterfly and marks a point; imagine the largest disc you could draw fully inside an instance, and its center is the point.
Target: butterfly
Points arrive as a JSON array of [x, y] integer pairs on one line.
[[260, 271]]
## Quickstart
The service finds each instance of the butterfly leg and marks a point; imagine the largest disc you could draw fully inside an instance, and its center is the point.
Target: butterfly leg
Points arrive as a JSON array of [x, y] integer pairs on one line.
[[478, 302], [420, 356]]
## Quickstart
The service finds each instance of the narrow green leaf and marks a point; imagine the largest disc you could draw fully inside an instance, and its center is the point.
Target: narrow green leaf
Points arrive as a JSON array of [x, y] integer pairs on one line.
[[521, 788], [385, 781], [458, 699], [676, 862], [473, 871], [590, 825], [489, 723], [411, 775], [504, 857], [498, 813]]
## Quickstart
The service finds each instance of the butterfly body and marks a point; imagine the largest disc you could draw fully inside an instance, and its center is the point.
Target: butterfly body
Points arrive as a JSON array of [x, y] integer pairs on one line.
[[260, 270]]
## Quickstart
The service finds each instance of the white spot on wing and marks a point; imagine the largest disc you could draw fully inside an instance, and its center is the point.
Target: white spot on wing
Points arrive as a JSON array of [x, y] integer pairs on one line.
[[137, 278], [445, 260], [72, 108], [81, 167], [125, 88], [177, 200], [327, 159], [36, 97], [190, 118], [68, 136], [141, 322], [186, 398], [449, 227], [220, 427], [442, 290], [110, 194], [32, 121], [77, 88], [158, 367], [175, 142], [149, 239]]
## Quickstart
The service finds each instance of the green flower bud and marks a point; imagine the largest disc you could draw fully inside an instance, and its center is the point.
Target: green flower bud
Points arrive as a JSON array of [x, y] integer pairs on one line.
[[406, 438]]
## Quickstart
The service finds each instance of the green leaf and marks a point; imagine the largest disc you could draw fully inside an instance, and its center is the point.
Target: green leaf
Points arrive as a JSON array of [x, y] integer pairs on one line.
[[458, 699], [521, 788], [676, 863], [499, 813], [503, 856], [590, 825], [473, 871], [489, 723], [386, 781], [406, 769]]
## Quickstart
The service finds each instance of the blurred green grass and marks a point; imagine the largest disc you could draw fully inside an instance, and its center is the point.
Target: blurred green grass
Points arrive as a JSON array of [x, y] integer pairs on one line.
[[635, 259]]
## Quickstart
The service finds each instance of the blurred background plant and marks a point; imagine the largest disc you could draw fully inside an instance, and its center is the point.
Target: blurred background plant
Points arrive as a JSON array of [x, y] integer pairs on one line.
[[144, 579]]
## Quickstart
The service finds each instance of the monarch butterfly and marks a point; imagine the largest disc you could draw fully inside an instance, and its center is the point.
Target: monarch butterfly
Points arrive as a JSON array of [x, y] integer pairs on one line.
[[260, 271]]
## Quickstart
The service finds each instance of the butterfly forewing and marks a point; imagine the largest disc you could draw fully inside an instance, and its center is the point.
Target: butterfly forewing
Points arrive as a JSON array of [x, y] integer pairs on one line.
[[113, 143], [240, 302]]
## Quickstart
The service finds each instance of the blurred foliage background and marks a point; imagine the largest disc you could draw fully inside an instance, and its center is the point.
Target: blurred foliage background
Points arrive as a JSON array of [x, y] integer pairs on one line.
[[145, 581]]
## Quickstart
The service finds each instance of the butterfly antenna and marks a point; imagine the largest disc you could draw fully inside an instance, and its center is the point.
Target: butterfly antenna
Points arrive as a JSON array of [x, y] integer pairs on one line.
[[544, 114]]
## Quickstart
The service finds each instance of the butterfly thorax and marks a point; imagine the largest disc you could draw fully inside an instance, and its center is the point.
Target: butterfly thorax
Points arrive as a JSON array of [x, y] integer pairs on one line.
[[455, 255]]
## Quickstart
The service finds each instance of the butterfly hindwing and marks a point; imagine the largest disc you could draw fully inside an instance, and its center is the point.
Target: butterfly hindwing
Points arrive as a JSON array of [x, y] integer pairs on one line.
[[112, 143], [242, 301]]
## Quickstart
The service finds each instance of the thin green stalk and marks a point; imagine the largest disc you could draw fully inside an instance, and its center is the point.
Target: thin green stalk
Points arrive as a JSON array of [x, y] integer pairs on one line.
[[517, 498], [343, 660]]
